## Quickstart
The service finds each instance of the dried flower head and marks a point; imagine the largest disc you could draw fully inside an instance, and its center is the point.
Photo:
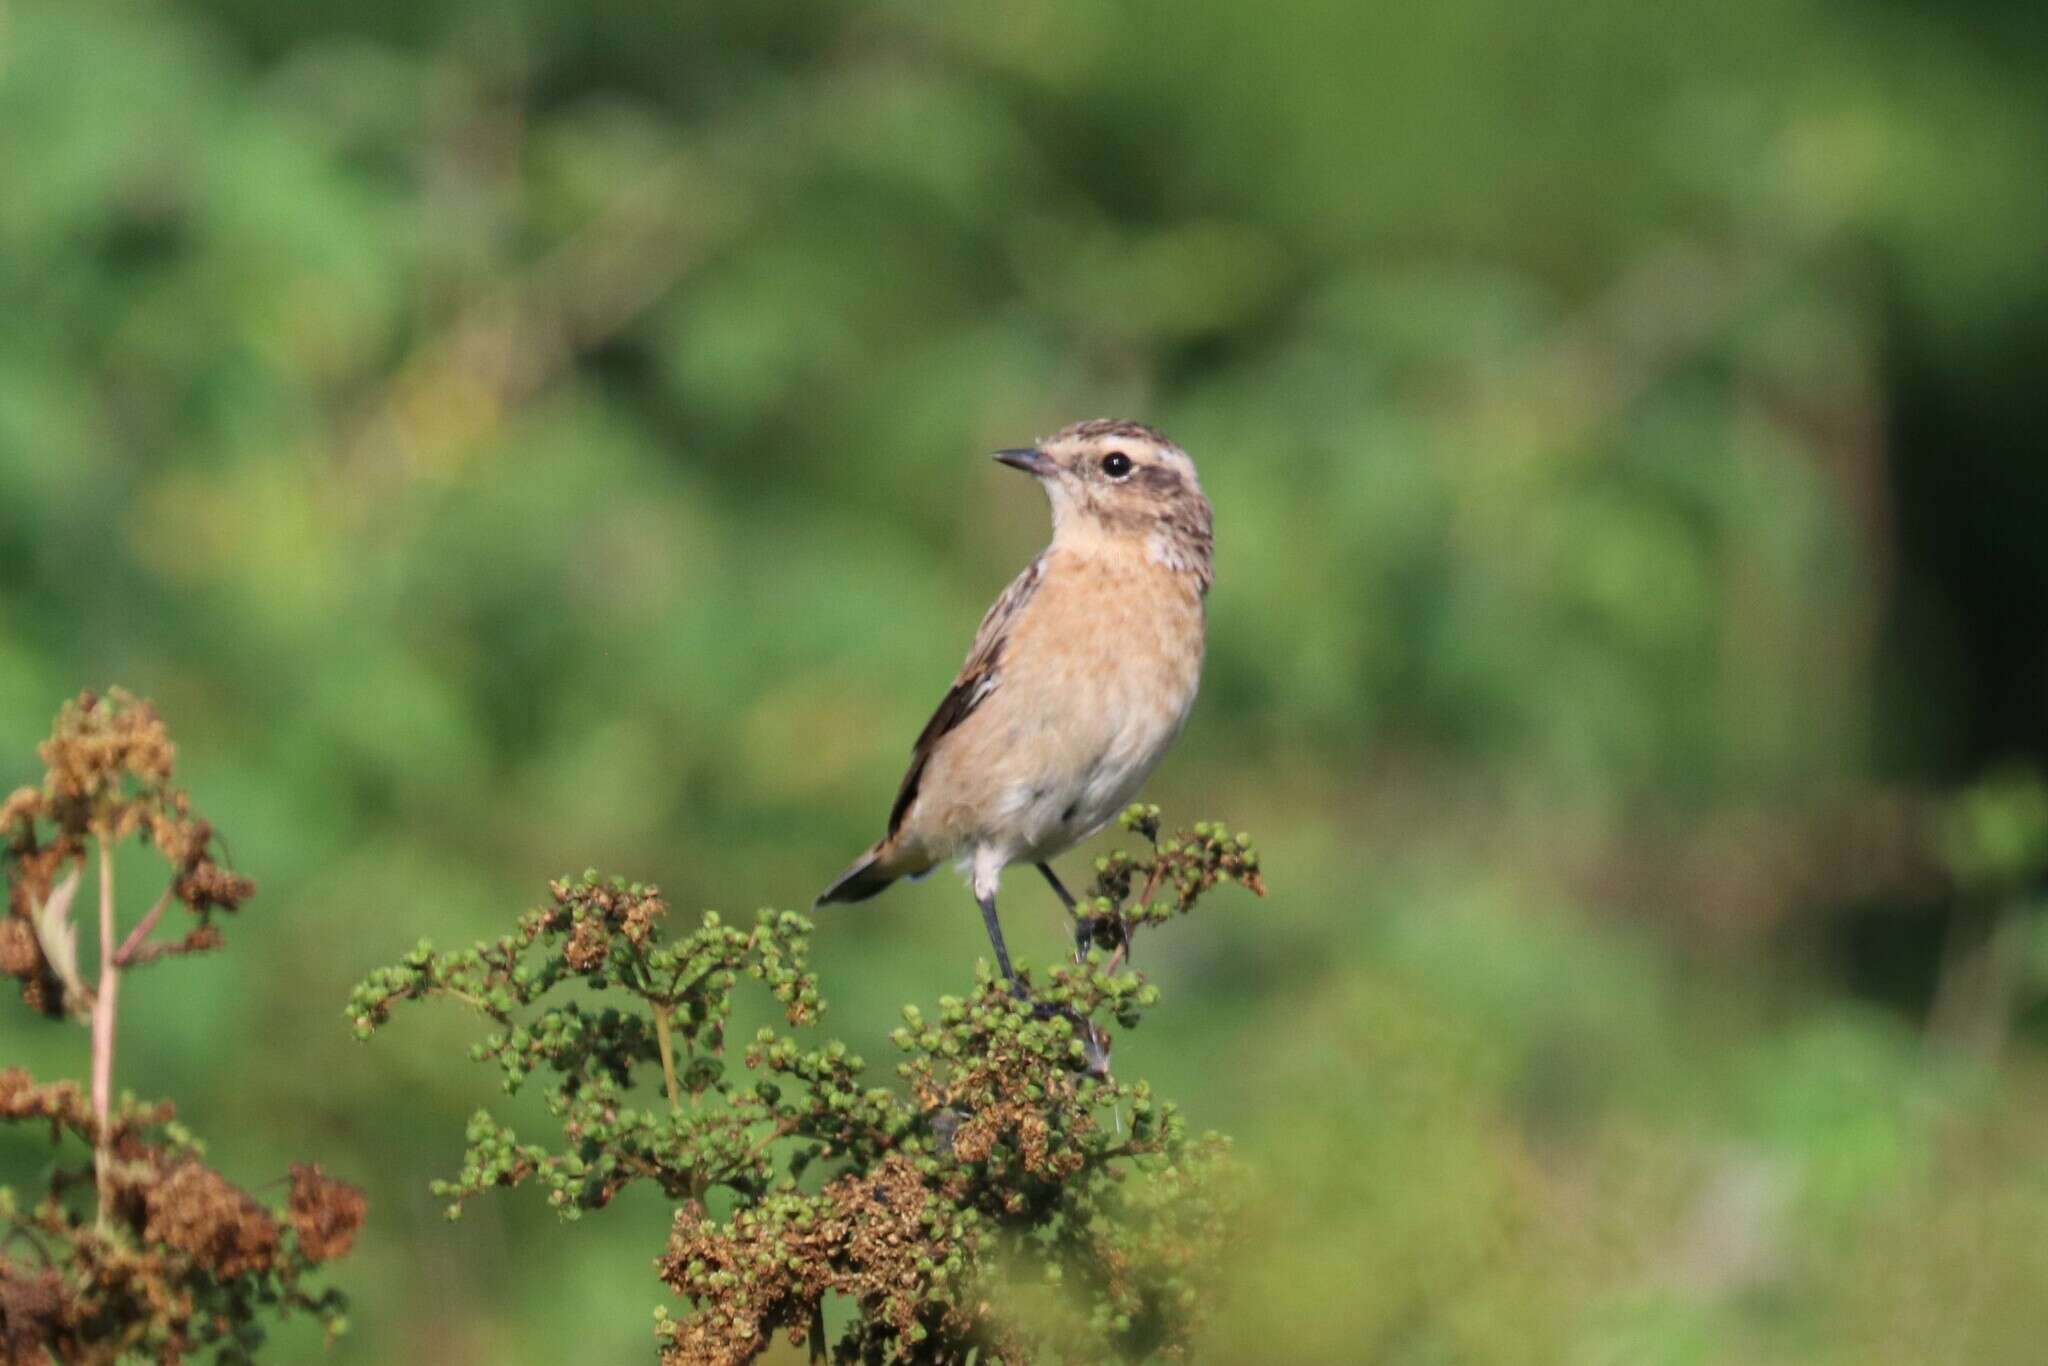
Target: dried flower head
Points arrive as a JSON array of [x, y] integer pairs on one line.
[[183, 1258], [202, 1214], [324, 1212], [109, 764], [38, 1316], [104, 754]]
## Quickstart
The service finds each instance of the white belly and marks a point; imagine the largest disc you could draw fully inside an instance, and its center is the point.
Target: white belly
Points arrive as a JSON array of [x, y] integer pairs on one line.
[[1098, 756]]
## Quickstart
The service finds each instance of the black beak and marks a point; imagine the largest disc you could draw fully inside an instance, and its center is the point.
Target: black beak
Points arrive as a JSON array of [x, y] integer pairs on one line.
[[1029, 459]]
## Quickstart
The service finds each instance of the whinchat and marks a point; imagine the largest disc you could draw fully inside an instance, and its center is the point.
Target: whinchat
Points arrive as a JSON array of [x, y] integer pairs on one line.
[[1079, 678]]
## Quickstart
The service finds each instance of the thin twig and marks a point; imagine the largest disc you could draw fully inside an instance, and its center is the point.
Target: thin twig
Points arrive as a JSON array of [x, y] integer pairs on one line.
[[1123, 922], [151, 950], [126, 955], [28, 1234], [783, 1129], [470, 999]]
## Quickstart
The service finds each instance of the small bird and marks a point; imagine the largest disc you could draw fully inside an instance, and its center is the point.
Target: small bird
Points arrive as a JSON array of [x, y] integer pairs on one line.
[[1079, 678]]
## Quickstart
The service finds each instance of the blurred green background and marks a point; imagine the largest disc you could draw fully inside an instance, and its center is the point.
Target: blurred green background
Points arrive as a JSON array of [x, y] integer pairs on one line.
[[505, 439]]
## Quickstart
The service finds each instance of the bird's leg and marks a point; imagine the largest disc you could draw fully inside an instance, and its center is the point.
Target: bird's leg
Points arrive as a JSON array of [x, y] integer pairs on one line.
[[1059, 888], [987, 900], [1084, 929], [1095, 1040], [1084, 926], [985, 876]]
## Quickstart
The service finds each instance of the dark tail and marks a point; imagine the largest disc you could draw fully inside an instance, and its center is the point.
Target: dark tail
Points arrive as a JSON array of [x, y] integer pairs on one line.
[[864, 879]]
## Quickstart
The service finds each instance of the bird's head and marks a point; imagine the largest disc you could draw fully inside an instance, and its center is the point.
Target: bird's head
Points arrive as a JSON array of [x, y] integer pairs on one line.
[[1116, 480]]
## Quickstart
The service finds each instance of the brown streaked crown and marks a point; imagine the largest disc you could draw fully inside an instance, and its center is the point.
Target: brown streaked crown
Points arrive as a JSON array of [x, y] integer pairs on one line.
[[1096, 427]]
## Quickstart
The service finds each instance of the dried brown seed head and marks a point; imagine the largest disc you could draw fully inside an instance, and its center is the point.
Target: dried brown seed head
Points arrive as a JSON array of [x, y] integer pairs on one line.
[[326, 1213]]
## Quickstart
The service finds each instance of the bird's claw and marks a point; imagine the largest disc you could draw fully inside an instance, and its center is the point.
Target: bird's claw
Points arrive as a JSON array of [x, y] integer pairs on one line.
[[1095, 1042], [1110, 932]]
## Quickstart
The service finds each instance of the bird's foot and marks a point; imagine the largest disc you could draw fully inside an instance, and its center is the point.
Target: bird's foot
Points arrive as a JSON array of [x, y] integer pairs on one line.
[[1111, 932], [1094, 1038]]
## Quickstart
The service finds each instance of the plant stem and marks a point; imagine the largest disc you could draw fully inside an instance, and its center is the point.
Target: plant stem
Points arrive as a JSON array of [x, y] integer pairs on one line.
[[103, 1017], [662, 1012]]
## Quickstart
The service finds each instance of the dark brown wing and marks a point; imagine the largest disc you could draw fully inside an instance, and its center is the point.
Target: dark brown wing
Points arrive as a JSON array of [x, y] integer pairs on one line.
[[978, 678]]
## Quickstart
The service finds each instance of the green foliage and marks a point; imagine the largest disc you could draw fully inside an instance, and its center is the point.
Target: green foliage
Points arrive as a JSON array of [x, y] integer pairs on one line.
[[512, 434], [1014, 1193], [1994, 834]]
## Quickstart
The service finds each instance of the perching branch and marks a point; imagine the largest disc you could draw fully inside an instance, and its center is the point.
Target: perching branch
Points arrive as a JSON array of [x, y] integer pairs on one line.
[[1000, 1153]]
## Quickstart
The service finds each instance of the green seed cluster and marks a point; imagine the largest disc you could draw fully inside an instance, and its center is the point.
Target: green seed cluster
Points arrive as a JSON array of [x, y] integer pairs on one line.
[[1132, 891]]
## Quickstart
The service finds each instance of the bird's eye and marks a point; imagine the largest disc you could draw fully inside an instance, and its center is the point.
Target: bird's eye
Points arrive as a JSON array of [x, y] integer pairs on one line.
[[1116, 464]]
